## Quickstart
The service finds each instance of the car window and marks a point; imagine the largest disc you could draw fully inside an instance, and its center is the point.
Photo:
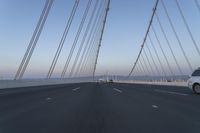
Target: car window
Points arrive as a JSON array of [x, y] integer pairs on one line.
[[196, 73]]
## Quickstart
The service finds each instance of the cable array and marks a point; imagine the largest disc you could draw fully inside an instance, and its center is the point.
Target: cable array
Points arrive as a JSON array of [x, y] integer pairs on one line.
[[154, 59], [35, 37], [62, 41], [101, 36], [76, 38]]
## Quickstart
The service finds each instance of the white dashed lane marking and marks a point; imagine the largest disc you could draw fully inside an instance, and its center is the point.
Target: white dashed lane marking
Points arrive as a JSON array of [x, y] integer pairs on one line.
[[120, 91], [48, 98], [154, 106], [171, 92], [75, 89]]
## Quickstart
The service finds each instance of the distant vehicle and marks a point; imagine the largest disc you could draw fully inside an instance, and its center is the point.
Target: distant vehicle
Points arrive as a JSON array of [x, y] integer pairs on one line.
[[194, 81], [101, 80], [110, 81]]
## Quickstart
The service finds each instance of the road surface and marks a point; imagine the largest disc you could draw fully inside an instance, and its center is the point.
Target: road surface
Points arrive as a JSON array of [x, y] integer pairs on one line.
[[99, 108]]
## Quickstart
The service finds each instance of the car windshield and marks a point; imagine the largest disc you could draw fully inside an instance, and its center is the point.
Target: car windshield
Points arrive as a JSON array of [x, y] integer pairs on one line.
[[196, 73]]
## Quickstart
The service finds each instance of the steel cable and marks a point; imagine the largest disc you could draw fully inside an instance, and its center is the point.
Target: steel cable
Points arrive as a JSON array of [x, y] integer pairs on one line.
[[92, 41], [176, 35], [76, 38], [92, 32], [145, 64], [142, 65], [145, 54], [62, 41], [101, 37], [197, 4], [31, 41], [168, 43], [156, 53], [36, 40], [84, 38], [187, 27], [159, 43], [145, 37], [152, 59]]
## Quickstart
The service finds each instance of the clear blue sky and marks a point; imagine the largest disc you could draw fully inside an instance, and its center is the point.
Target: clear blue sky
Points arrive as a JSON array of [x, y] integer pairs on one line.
[[125, 28]]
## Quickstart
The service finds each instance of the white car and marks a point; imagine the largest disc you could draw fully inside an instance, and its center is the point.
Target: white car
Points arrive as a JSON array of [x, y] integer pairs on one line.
[[194, 81]]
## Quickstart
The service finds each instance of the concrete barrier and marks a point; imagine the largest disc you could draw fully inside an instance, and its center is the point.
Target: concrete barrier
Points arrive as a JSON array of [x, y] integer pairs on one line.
[[37, 82], [174, 83]]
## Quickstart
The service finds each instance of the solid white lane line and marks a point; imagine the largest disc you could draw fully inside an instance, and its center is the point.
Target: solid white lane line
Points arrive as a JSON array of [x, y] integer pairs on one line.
[[75, 89], [171, 92], [154, 106], [120, 91]]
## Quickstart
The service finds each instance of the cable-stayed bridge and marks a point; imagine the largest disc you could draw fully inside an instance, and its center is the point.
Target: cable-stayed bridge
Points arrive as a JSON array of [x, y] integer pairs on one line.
[[71, 97], [165, 50]]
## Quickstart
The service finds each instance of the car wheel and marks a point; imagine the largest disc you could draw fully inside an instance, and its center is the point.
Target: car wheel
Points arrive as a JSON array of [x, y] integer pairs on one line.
[[196, 88]]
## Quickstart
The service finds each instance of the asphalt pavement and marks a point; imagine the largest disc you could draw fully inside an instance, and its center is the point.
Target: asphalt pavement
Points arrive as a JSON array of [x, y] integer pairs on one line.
[[99, 108]]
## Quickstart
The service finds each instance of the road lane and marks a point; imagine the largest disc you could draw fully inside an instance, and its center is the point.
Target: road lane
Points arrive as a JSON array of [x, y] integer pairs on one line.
[[171, 92], [180, 113], [98, 108]]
